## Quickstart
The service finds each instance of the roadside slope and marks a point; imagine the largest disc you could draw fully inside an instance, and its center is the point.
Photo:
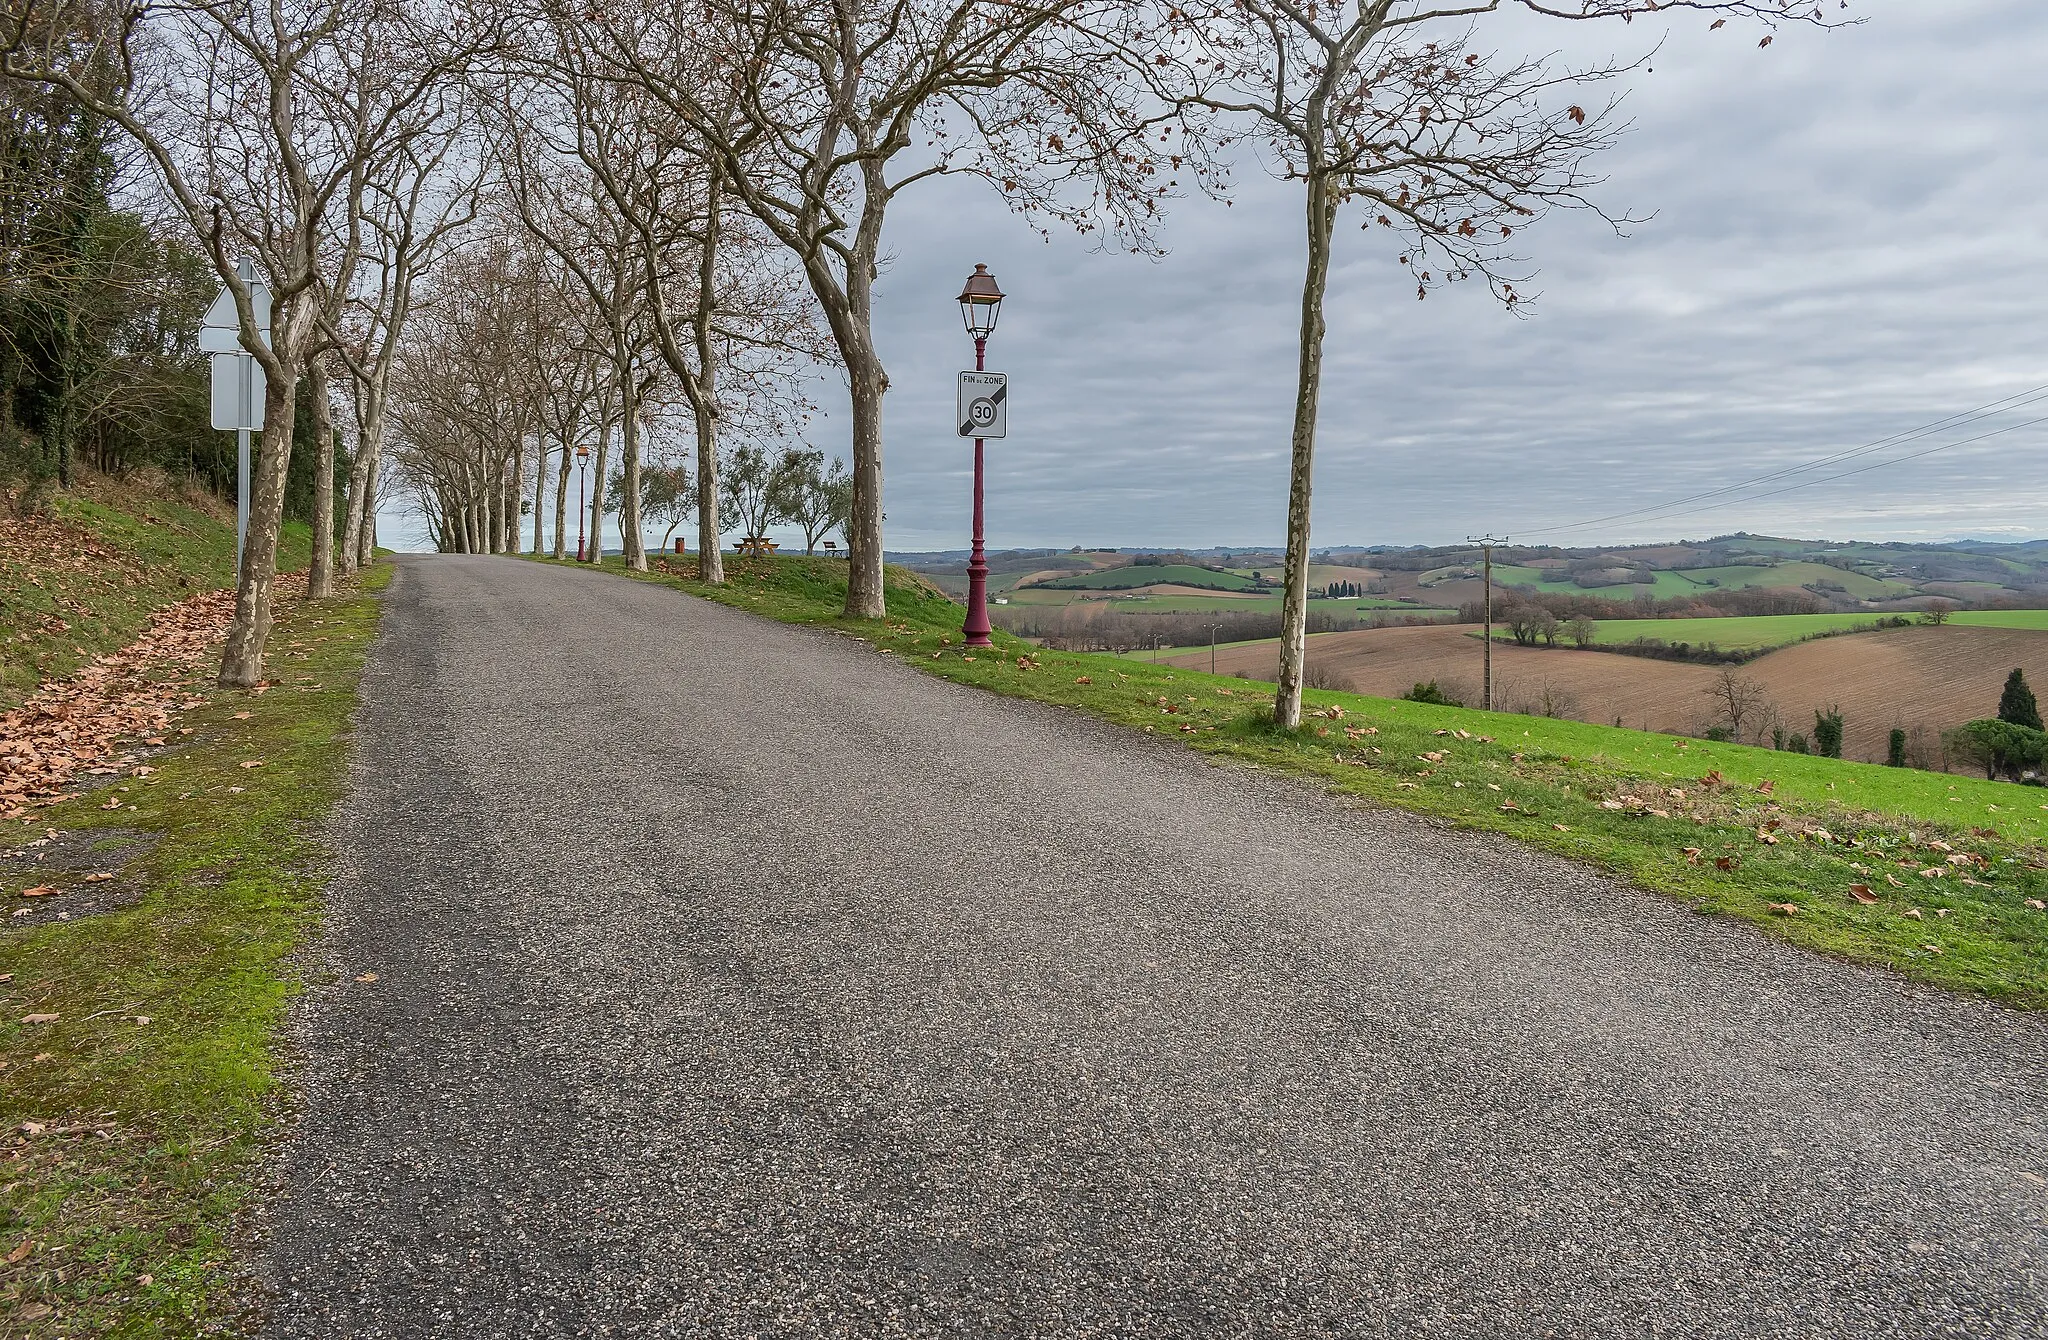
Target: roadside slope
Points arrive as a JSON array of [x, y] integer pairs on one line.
[[83, 577]]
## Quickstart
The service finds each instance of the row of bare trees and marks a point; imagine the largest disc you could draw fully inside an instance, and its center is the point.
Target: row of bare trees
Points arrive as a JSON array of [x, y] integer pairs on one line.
[[518, 229]]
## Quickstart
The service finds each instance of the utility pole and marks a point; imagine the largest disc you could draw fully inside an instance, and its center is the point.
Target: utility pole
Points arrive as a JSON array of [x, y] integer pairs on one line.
[[1486, 544]]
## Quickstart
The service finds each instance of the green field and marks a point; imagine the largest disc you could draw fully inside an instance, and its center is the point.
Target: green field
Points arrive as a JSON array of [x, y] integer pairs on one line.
[[1758, 632], [1168, 574], [1698, 581], [1952, 867], [1147, 604], [2002, 618]]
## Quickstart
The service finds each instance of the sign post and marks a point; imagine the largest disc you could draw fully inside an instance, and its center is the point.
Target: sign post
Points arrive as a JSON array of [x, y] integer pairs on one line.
[[238, 384]]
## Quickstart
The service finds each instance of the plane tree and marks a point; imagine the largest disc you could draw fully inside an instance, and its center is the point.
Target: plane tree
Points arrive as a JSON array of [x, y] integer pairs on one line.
[[1448, 148]]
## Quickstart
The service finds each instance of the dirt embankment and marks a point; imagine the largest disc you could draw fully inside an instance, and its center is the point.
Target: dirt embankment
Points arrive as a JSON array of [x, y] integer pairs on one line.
[[1921, 678]]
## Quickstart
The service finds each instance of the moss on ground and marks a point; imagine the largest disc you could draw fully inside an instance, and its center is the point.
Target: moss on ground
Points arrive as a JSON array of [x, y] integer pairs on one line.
[[134, 1119]]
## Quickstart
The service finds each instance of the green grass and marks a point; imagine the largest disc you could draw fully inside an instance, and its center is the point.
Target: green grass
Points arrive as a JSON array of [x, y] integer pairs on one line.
[[1674, 583], [1659, 811], [2037, 619], [1736, 633], [84, 579], [1759, 632], [128, 1197]]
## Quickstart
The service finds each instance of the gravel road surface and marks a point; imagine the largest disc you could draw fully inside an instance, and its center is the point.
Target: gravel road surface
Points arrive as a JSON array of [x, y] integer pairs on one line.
[[732, 979]]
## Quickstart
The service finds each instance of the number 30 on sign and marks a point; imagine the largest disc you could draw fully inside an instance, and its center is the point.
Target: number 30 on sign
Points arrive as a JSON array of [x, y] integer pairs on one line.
[[984, 404]]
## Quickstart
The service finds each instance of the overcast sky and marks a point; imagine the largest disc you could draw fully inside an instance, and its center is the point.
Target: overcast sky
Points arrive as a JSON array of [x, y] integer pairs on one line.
[[1848, 244]]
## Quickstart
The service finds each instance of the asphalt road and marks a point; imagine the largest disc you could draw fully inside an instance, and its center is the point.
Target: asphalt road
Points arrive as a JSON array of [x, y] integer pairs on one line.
[[732, 979]]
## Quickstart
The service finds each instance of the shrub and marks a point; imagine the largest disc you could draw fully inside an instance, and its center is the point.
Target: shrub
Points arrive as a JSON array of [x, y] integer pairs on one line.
[[1827, 732], [1796, 745], [1430, 693], [2016, 704], [1895, 750], [1999, 747], [1318, 675]]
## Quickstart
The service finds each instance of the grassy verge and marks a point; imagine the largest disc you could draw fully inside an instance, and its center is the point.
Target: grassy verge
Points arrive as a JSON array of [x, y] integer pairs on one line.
[[1940, 878], [134, 1117], [84, 578]]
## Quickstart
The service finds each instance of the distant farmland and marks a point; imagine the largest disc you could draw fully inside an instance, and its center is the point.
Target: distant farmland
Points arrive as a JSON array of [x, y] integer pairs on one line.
[[1923, 679], [1155, 574], [1778, 630]]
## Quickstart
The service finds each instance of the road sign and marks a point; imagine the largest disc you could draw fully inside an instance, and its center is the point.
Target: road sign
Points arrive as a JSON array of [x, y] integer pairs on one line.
[[238, 388], [238, 381], [984, 404]]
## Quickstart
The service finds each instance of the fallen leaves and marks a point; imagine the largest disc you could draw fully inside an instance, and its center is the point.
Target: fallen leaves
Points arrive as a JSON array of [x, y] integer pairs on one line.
[[366, 977], [41, 891], [40, 1018], [1785, 909], [1862, 894], [74, 724]]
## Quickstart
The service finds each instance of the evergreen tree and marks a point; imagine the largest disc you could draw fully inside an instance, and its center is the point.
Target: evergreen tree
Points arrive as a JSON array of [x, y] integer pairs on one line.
[[1895, 751], [1827, 733], [2016, 704]]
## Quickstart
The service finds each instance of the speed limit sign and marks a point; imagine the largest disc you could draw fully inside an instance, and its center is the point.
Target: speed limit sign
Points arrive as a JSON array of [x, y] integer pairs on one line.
[[984, 404]]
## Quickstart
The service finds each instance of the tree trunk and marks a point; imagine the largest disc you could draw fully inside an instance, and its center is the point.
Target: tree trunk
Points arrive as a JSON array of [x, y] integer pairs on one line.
[[366, 535], [710, 536], [354, 552], [562, 502], [629, 452], [598, 458], [540, 484], [1322, 217], [320, 578], [241, 662], [864, 598]]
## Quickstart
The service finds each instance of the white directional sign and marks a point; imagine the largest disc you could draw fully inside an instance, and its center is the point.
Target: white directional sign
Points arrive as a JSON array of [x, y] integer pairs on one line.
[[238, 390], [984, 404], [220, 330], [238, 383]]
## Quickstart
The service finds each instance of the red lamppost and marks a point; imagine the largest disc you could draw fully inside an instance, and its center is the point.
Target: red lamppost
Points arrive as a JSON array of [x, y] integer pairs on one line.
[[979, 302], [582, 460]]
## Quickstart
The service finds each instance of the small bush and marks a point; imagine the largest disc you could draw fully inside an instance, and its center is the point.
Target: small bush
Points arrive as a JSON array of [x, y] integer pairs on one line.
[[1999, 747], [1895, 750], [1827, 733], [1430, 693], [1796, 745]]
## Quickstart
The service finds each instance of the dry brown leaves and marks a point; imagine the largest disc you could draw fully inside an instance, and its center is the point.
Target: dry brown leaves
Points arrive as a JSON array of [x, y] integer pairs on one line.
[[79, 722]]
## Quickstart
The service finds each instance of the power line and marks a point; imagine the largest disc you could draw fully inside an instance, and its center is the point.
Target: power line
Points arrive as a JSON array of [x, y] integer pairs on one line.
[[2026, 399]]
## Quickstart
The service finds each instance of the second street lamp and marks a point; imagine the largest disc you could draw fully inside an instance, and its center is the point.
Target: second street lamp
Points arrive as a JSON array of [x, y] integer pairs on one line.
[[582, 460], [980, 301]]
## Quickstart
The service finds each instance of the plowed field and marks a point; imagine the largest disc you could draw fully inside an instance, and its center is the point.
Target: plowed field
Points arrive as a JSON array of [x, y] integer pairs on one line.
[[1928, 677]]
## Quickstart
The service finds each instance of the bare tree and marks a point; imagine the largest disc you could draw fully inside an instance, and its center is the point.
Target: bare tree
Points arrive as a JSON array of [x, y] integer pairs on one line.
[[260, 121], [1395, 105], [1739, 701], [819, 114]]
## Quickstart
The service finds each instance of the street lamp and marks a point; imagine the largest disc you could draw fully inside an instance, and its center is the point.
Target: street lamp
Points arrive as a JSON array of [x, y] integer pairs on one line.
[[980, 301], [582, 460]]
